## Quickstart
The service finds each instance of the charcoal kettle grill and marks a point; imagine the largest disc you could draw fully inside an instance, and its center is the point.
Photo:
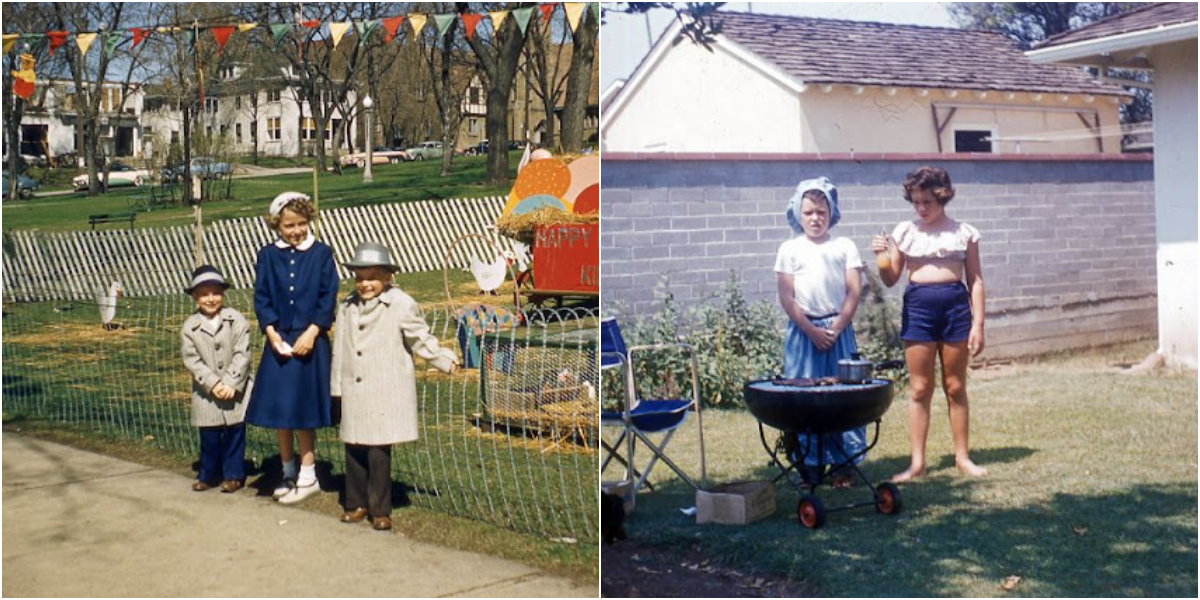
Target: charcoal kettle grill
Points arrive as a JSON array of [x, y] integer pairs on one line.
[[819, 406]]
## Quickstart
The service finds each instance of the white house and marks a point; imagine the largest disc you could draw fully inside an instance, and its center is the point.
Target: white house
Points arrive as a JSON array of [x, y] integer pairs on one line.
[[780, 84], [48, 127], [1159, 38], [271, 116]]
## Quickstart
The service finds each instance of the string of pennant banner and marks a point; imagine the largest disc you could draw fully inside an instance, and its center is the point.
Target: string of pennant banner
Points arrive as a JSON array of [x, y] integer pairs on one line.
[[337, 31]]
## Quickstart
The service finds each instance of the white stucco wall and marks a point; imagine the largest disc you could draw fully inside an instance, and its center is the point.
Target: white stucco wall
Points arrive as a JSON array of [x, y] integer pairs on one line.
[[727, 100], [843, 120], [1176, 196], [700, 101]]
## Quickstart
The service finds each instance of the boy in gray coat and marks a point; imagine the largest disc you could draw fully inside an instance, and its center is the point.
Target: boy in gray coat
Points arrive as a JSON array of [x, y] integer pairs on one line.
[[379, 329], [216, 349]]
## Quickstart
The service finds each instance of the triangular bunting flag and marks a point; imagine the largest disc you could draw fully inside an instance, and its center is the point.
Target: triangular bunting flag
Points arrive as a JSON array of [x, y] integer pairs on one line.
[[365, 28], [244, 27], [443, 23], [279, 30], [547, 10], [23, 80], [337, 30], [470, 21], [418, 23], [574, 11], [85, 41], [10, 40], [33, 40], [311, 24], [112, 39], [595, 9], [221, 34], [57, 39], [139, 35], [498, 18], [522, 16], [390, 27]]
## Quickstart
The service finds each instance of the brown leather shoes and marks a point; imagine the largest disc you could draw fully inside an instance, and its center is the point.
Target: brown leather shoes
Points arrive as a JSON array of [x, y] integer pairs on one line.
[[201, 486], [354, 516], [381, 523], [230, 486]]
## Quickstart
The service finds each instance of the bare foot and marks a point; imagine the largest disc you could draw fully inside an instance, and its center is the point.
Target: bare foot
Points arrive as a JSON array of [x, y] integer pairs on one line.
[[909, 473], [969, 468]]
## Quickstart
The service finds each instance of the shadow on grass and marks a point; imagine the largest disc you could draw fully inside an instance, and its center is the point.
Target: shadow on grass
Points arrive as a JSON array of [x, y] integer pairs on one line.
[[954, 538]]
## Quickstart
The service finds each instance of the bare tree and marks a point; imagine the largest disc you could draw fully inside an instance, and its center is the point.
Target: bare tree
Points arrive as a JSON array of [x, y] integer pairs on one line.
[[14, 106], [499, 56], [91, 72], [579, 82], [547, 60]]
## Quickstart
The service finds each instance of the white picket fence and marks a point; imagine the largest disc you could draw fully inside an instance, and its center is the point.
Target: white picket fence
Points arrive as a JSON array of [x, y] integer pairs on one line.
[[78, 265]]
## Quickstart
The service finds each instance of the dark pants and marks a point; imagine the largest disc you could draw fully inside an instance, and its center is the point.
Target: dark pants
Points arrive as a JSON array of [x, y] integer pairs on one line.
[[369, 479], [222, 453]]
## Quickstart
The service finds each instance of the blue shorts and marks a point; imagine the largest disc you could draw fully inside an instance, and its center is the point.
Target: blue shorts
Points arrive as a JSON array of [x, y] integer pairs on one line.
[[936, 312]]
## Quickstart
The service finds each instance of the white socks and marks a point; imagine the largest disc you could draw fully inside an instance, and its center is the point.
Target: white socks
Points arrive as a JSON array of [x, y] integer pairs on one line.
[[308, 475]]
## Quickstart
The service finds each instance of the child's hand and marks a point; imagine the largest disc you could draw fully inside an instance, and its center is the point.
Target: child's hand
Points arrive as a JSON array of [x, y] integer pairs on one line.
[[223, 392], [879, 243], [822, 338], [304, 343]]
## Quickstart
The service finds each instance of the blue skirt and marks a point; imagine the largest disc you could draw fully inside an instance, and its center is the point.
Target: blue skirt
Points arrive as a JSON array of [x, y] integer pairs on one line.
[[292, 393], [802, 359]]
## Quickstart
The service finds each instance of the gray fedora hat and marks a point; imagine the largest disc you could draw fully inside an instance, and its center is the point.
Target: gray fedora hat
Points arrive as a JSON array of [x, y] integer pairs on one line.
[[371, 254], [206, 274]]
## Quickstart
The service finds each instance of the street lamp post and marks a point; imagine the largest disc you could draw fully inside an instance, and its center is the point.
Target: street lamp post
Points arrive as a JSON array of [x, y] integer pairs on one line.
[[369, 107]]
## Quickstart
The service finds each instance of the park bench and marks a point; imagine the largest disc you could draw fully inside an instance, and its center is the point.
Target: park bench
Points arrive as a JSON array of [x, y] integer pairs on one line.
[[94, 220]]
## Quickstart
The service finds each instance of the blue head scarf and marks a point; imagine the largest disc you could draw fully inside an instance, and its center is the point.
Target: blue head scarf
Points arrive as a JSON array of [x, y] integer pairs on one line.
[[822, 184]]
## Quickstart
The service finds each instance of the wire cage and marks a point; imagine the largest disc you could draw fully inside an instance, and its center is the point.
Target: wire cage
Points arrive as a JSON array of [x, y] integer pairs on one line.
[[542, 382]]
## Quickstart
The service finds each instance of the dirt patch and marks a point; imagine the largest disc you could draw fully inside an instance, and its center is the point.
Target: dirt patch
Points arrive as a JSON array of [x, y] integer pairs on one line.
[[632, 570]]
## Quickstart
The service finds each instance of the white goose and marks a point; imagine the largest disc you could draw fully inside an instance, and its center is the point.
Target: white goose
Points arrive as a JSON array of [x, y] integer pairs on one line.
[[489, 276], [108, 305]]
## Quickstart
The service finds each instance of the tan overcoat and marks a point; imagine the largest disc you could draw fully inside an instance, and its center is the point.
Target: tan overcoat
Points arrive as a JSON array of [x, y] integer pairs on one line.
[[217, 356], [373, 371]]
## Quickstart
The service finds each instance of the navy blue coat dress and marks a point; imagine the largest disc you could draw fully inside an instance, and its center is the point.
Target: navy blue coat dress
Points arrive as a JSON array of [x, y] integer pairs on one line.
[[294, 287]]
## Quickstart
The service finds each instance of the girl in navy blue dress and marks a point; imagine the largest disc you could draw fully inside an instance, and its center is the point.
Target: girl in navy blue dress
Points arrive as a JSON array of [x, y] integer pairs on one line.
[[295, 296]]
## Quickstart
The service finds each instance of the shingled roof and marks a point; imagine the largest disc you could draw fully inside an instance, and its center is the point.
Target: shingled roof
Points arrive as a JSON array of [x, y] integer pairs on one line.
[[817, 51], [1141, 19]]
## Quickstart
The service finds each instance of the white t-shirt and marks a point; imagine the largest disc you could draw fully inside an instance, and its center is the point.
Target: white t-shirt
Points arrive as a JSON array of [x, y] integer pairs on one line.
[[819, 271]]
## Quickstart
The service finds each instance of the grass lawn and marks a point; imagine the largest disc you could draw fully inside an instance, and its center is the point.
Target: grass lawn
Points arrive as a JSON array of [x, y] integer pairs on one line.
[[411, 181], [1092, 492]]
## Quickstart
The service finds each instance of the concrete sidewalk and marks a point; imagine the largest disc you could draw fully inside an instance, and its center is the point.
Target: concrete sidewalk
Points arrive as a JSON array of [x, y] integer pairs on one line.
[[78, 524]]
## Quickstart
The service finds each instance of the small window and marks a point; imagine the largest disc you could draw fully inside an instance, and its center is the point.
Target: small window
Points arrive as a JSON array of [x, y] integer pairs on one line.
[[972, 140], [237, 132]]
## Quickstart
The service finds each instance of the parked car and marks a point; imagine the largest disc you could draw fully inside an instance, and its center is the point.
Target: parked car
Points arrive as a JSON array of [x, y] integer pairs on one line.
[[202, 167], [380, 155], [425, 150], [120, 175], [25, 186]]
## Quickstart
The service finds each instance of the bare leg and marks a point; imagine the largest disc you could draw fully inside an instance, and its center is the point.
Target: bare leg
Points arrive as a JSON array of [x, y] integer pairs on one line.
[[954, 381], [286, 450], [921, 358], [308, 444]]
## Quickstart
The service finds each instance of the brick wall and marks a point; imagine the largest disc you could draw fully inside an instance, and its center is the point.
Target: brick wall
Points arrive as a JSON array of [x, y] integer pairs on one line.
[[1068, 241]]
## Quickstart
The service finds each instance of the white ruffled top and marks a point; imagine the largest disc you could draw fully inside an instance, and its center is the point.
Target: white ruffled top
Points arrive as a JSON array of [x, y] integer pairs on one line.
[[947, 240]]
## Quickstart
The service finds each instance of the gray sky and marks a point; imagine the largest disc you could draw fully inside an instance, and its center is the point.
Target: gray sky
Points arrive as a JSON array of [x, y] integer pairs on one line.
[[627, 38]]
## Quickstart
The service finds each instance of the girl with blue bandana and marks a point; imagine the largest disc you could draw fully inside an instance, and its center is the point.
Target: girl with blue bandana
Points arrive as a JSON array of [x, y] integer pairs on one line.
[[820, 284]]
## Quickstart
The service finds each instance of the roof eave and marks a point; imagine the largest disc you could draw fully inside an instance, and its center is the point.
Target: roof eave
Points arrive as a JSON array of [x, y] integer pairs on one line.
[[1092, 52]]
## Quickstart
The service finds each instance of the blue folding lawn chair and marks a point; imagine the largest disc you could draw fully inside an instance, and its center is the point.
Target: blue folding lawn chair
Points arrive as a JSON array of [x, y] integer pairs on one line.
[[639, 419]]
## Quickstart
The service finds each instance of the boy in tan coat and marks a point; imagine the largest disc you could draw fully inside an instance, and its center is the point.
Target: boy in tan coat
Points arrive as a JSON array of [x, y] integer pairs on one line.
[[379, 329], [215, 342]]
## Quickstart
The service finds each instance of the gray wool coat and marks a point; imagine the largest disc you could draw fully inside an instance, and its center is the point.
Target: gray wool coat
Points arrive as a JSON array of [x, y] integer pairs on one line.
[[373, 371], [221, 356]]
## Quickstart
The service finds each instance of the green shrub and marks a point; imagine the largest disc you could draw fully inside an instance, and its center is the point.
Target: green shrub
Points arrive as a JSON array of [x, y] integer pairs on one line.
[[735, 341]]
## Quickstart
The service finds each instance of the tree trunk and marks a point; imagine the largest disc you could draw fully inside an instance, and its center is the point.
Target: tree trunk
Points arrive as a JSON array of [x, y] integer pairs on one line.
[[579, 85]]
